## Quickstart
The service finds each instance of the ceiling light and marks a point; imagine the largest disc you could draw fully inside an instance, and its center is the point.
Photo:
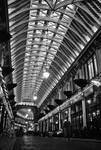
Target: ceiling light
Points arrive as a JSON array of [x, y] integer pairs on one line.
[[26, 115], [29, 110], [46, 74], [34, 97], [89, 101]]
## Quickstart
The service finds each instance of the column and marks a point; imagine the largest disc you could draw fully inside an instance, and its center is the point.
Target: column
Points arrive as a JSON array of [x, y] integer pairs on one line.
[[47, 125], [60, 95], [5, 118], [43, 126], [84, 112], [59, 120], [69, 114], [52, 123]]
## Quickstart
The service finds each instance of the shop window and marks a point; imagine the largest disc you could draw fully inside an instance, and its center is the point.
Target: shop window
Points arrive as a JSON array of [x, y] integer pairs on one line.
[[76, 116], [50, 124], [93, 109], [56, 121], [64, 114]]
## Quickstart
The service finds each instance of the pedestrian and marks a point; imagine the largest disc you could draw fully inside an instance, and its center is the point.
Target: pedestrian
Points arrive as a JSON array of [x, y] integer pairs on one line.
[[67, 129]]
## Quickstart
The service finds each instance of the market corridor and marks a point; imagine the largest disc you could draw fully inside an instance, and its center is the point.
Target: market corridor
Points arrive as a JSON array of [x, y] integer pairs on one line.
[[49, 143]]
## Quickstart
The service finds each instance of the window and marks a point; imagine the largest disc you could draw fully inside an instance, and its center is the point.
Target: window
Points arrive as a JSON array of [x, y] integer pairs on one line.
[[80, 73], [86, 71], [90, 68], [95, 65]]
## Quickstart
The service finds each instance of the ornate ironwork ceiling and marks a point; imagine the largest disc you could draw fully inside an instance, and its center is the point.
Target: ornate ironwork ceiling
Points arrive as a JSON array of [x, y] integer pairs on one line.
[[48, 35]]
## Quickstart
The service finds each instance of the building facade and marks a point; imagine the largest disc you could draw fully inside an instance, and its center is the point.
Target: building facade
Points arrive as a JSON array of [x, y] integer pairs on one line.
[[83, 107]]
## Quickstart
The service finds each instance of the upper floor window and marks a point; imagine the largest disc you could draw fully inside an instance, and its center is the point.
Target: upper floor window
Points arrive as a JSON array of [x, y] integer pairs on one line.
[[91, 68], [95, 64]]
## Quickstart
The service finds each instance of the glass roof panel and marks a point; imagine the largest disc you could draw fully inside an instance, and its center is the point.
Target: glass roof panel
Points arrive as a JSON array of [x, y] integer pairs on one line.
[[47, 32]]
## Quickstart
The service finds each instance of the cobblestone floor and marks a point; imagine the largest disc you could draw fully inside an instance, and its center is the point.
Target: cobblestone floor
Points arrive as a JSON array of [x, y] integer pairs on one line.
[[49, 143], [6, 142]]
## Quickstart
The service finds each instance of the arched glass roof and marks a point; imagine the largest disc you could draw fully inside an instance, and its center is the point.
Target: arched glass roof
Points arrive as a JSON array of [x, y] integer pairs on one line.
[[48, 34]]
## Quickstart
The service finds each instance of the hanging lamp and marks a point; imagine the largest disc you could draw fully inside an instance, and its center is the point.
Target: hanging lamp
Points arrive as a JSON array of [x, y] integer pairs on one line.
[[46, 72]]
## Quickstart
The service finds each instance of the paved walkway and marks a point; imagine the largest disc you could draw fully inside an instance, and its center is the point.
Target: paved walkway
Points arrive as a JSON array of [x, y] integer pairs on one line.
[[50, 143], [47, 143], [7, 143]]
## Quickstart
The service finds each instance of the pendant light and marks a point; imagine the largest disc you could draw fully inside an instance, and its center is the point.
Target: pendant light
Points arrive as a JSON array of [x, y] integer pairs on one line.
[[34, 97], [46, 72]]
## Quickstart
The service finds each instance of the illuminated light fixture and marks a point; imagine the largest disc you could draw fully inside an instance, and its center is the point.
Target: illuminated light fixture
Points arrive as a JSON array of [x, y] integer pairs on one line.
[[94, 114], [56, 122], [46, 74], [34, 97], [45, 71], [29, 110], [94, 28], [89, 101], [26, 115], [66, 112]]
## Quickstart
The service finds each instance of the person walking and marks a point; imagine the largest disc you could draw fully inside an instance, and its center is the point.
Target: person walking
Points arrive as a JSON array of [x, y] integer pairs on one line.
[[67, 129]]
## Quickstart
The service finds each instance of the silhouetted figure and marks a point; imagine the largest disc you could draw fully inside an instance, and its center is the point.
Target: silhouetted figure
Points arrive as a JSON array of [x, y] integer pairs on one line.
[[21, 131], [67, 128]]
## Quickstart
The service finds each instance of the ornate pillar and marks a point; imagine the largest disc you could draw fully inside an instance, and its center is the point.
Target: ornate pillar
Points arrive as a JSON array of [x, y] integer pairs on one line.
[[59, 120], [5, 120], [69, 114], [47, 125], [84, 112], [52, 123]]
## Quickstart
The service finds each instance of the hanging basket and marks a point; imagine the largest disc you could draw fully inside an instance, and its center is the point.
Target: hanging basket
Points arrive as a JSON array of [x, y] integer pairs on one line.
[[58, 101], [68, 93], [4, 36], [81, 82], [11, 86], [7, 70]]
